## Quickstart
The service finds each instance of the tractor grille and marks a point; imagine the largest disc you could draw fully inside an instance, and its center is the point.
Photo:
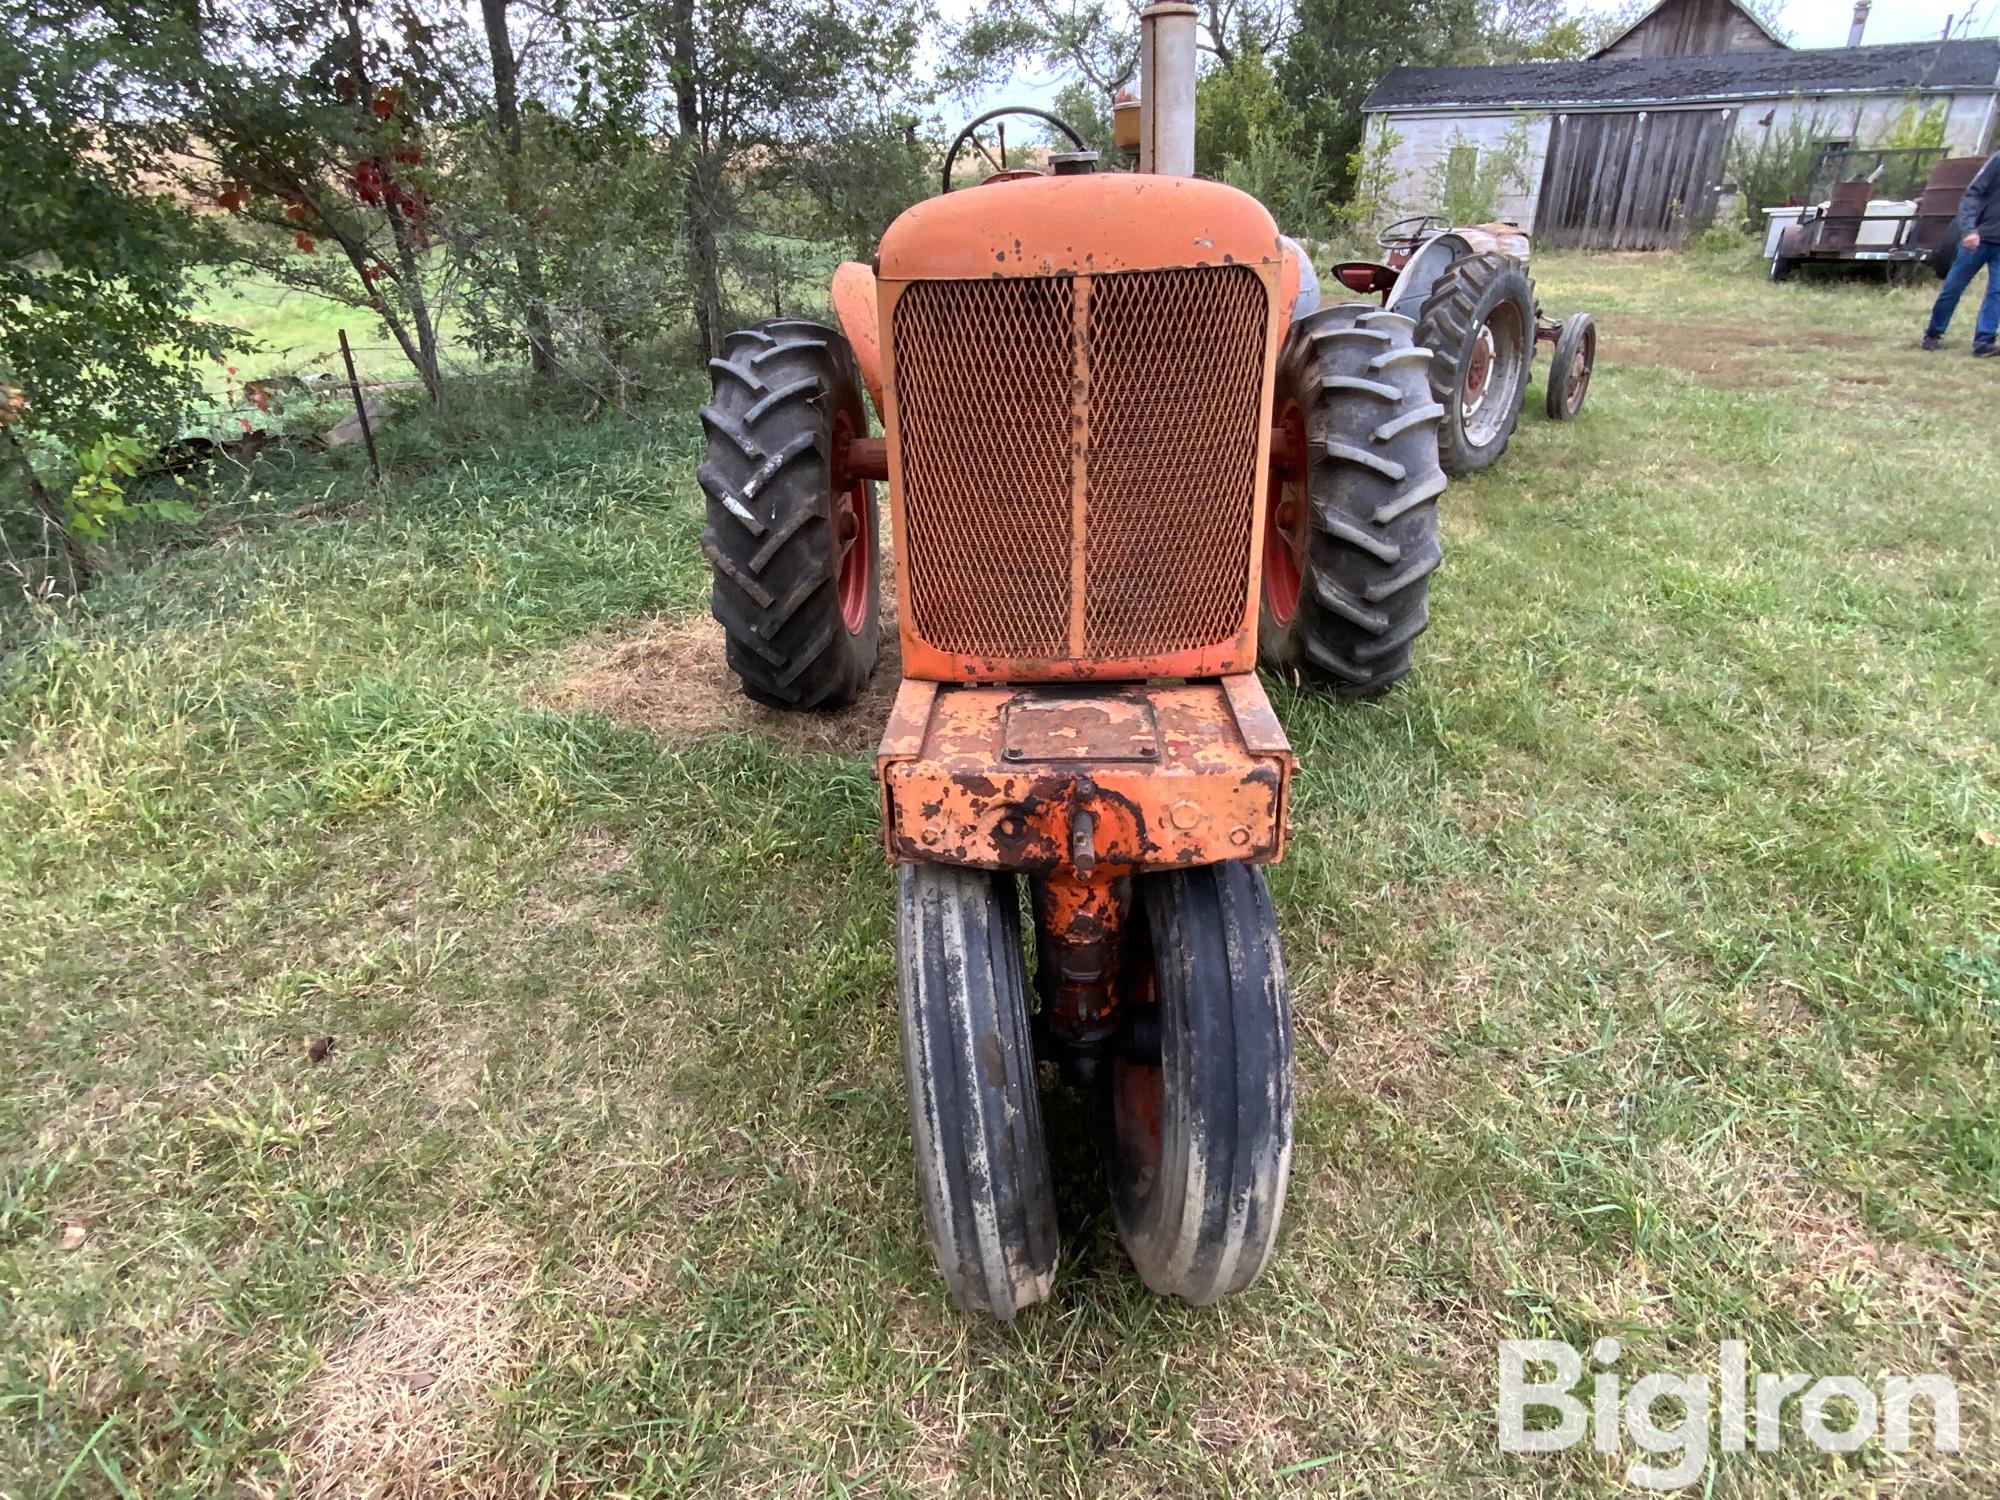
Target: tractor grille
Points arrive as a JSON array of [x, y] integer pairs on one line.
[[1128, 404]]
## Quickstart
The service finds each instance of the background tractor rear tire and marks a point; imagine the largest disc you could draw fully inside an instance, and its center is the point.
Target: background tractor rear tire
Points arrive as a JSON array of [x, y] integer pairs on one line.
[[1200, 1143], [1351, 528], [797, 577], [1479, 323], [975, 1112], [1570, 366]]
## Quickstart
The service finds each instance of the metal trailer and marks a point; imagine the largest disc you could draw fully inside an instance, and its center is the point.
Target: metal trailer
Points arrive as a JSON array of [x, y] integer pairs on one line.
[[1842, 228]]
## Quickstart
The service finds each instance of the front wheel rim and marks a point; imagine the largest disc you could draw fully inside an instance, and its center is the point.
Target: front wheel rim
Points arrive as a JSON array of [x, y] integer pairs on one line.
[[1580, 366]]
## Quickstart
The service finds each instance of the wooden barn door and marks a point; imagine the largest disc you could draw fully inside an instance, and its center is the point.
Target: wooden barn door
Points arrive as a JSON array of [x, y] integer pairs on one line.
[[1636, 181]]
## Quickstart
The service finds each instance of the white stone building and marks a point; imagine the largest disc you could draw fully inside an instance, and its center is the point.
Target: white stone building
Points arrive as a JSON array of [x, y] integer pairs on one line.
[[1628, 149]]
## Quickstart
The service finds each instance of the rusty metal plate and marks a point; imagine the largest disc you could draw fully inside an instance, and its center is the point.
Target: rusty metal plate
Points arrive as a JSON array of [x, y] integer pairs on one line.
[[1215, 790], [1066, 727]]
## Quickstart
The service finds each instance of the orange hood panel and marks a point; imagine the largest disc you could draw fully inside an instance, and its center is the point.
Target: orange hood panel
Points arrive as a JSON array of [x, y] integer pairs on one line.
[[1046, 226]]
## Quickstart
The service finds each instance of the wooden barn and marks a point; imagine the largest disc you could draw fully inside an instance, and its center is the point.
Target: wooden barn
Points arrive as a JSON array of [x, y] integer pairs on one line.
[[1627, 149]]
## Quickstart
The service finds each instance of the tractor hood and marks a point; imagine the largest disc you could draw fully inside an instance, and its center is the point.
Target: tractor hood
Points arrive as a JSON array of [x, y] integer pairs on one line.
[[1083, 225]]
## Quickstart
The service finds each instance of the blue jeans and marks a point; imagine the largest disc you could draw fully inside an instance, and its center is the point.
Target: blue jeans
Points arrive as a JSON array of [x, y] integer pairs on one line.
[[1968, 265]]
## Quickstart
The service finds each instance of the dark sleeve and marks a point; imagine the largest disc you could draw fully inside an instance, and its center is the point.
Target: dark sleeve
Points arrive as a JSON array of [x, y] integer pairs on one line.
[[1977, 194]]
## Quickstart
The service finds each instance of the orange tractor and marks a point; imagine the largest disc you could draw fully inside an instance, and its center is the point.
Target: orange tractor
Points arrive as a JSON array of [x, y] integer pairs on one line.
[[1124, 462]]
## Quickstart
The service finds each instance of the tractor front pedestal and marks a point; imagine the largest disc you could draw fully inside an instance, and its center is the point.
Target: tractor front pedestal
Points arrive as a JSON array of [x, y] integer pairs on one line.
[[1139, 815]]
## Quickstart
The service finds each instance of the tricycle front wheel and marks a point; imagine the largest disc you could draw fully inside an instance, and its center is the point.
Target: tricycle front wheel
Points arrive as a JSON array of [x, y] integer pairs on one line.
[[975, 1112], [1569, 370], [1199, 1099]]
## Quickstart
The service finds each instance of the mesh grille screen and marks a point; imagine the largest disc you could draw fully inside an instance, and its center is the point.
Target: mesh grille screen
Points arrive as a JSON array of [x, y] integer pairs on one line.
[[983, 397], [1176, 395], [985, 372]]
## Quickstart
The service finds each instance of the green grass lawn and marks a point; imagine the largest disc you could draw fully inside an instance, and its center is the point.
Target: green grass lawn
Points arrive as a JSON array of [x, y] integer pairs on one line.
[[299, 333], [1643, 945]]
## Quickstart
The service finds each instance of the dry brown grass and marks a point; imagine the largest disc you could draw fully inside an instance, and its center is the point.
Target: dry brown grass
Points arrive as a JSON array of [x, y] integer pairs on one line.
[[1725, 355], [392, 1410], [670, 677]]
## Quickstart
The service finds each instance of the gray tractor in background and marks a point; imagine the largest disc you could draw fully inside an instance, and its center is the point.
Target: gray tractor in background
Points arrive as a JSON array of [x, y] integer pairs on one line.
[[1467, 287]]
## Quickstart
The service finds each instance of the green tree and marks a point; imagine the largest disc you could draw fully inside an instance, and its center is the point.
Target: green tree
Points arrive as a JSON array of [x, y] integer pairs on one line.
[[1517, 31], [751, 87], [1338, 49], [1235, 103], [101, 328], [312, 123], [1088, 108]]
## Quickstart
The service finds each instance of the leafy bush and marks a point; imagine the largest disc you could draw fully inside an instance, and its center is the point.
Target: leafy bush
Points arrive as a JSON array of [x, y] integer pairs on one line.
[[1776, 169], [1468, 180], [1287, 181]]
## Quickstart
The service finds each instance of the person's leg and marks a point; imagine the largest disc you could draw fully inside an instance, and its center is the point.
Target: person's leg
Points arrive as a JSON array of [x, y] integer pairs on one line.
[[1988, 326], [1962, 271]]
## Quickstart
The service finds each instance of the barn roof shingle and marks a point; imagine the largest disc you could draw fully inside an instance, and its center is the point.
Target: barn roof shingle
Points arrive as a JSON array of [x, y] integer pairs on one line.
[[1632, 81]]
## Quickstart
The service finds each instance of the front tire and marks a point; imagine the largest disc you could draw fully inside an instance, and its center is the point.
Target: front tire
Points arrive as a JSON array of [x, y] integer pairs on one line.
[[1351, 526], [1200, 1139], [1479, 322], [975, 1113], [792, 541], [1570, 368]]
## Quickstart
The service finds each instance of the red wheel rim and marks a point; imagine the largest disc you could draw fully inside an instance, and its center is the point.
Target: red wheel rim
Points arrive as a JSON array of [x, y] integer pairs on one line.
[[853, 537], [1285, 516], [1139, 1089], [1580, 366]]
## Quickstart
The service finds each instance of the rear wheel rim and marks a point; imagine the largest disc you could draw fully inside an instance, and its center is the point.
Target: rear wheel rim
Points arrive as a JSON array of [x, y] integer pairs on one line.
[[1284, 518], [853, 537], [1492, 376]]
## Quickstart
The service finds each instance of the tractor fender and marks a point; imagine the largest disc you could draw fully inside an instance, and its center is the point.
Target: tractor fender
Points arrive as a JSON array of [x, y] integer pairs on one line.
[[1298, 282], [1496, 236], [1429, 261], [860, 319]]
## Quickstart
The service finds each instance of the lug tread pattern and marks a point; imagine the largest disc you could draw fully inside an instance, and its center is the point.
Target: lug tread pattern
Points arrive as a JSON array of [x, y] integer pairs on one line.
[[1373, 482], [767, 476], [1460, 302]]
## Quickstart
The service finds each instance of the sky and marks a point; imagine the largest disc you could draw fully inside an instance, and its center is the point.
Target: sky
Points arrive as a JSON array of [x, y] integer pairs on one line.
[[1810, 23]]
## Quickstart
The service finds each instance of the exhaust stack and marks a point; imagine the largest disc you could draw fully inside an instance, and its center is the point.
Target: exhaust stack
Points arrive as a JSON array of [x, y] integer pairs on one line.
[[1166, 88], [1861, 9]]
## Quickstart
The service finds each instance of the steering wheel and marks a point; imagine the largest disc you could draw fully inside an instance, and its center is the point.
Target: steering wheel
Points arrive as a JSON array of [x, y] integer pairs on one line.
[[1399, 233], [965, 135]]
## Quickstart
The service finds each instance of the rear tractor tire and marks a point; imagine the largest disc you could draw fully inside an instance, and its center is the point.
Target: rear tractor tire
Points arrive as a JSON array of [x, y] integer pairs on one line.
[[975, 1113], [791, 539], [1351, 526], [1200, 1118], [1479, 323]]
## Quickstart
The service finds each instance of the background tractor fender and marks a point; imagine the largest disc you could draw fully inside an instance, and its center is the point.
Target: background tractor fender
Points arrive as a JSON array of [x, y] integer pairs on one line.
[[1430, 261], [1496, 236], [854, 302]]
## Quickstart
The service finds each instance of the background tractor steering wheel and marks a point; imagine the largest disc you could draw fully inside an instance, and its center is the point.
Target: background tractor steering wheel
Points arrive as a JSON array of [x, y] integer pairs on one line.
[[1401, 232], [965, 135]]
